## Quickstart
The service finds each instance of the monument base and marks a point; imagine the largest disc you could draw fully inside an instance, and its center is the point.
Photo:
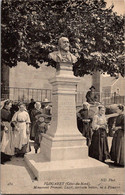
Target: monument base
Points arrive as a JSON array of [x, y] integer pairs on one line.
[[50, 170], [63, 152], [64, 148]]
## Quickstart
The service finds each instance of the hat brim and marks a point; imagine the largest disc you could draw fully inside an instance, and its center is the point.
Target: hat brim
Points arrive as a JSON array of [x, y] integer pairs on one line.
[[44, 102], [92, 88]]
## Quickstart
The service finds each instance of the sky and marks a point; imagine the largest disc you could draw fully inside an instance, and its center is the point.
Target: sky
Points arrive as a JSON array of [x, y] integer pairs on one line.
[[119, 6]]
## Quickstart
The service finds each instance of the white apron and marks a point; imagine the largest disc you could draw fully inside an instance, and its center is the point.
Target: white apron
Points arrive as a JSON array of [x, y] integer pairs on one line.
[[20, 136], [7, 143]]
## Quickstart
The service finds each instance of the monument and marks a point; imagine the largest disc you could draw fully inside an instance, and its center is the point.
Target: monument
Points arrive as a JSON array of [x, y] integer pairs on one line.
[[63, 151]]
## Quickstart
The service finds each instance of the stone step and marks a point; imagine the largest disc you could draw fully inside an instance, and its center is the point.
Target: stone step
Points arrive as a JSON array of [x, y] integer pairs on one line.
[[65, 169]]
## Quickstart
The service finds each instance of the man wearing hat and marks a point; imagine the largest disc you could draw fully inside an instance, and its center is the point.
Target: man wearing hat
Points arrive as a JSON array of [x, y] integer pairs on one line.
[[47, 109], [91, 97]]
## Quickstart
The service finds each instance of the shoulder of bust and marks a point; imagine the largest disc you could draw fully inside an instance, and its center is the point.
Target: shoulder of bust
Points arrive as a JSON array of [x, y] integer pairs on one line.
[[54, 53], [73, 57]]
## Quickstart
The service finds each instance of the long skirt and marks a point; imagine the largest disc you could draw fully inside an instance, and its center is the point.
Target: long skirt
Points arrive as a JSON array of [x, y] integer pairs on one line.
[[32, 132], [99, 145], [21, 139], [117, 148], [20, 152], [7, 146], [37, 141], [7, 143]]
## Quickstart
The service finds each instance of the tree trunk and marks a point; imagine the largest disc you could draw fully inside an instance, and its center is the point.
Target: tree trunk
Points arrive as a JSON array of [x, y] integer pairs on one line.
[[96, 81], [4, 81]]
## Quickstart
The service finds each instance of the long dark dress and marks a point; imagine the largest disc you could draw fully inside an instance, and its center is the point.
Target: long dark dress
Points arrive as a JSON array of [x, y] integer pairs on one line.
[[34, 114], [7, 148], [99, 144], [41, 127], [30, 107], [117, 148]]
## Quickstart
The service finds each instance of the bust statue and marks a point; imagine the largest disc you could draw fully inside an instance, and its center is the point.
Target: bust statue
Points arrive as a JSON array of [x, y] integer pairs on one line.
[[63, 54]]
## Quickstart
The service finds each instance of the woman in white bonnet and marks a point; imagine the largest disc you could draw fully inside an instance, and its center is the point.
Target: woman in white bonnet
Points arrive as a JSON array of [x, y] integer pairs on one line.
[[21, 121], [99, 145]]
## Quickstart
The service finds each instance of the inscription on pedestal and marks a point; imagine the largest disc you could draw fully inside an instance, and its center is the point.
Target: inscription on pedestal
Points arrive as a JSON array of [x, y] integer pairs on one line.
[[65, 109]]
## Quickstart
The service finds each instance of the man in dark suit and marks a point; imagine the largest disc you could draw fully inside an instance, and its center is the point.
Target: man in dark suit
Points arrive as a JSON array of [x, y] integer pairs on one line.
[[91, 96]]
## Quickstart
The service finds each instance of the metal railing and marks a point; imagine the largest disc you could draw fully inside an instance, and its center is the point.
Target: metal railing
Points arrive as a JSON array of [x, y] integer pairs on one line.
[[104, 98], [25, 94]]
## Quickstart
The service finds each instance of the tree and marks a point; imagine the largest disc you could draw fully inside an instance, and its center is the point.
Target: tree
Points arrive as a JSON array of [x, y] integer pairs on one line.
[[30, 30]]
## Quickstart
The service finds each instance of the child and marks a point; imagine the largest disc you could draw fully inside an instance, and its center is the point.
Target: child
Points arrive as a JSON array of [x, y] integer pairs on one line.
[[41, 127]]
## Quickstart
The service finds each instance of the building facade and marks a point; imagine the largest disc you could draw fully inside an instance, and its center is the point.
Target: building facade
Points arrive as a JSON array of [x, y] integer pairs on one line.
[[25, 82]]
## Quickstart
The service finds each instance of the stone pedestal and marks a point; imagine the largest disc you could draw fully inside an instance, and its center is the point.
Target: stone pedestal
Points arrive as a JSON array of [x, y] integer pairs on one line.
[[63, 141], [63, 148]]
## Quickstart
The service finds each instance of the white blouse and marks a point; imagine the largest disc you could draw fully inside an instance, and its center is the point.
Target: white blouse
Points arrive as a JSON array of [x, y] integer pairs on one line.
[[98, 121], [21, 117]]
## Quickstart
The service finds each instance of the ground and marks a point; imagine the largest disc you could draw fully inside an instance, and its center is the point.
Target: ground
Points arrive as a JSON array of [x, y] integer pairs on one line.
[[16, 178]]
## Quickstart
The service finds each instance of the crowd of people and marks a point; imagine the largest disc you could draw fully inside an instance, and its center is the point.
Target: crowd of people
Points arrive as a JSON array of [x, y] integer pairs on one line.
[[96, 132], [19, 124]]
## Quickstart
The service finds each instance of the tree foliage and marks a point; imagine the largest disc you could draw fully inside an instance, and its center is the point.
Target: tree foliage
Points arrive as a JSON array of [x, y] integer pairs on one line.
[[31, 29]]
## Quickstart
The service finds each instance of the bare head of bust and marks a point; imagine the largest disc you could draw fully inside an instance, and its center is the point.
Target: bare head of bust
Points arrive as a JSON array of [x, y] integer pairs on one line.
[[63, 44], [63, 54]]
